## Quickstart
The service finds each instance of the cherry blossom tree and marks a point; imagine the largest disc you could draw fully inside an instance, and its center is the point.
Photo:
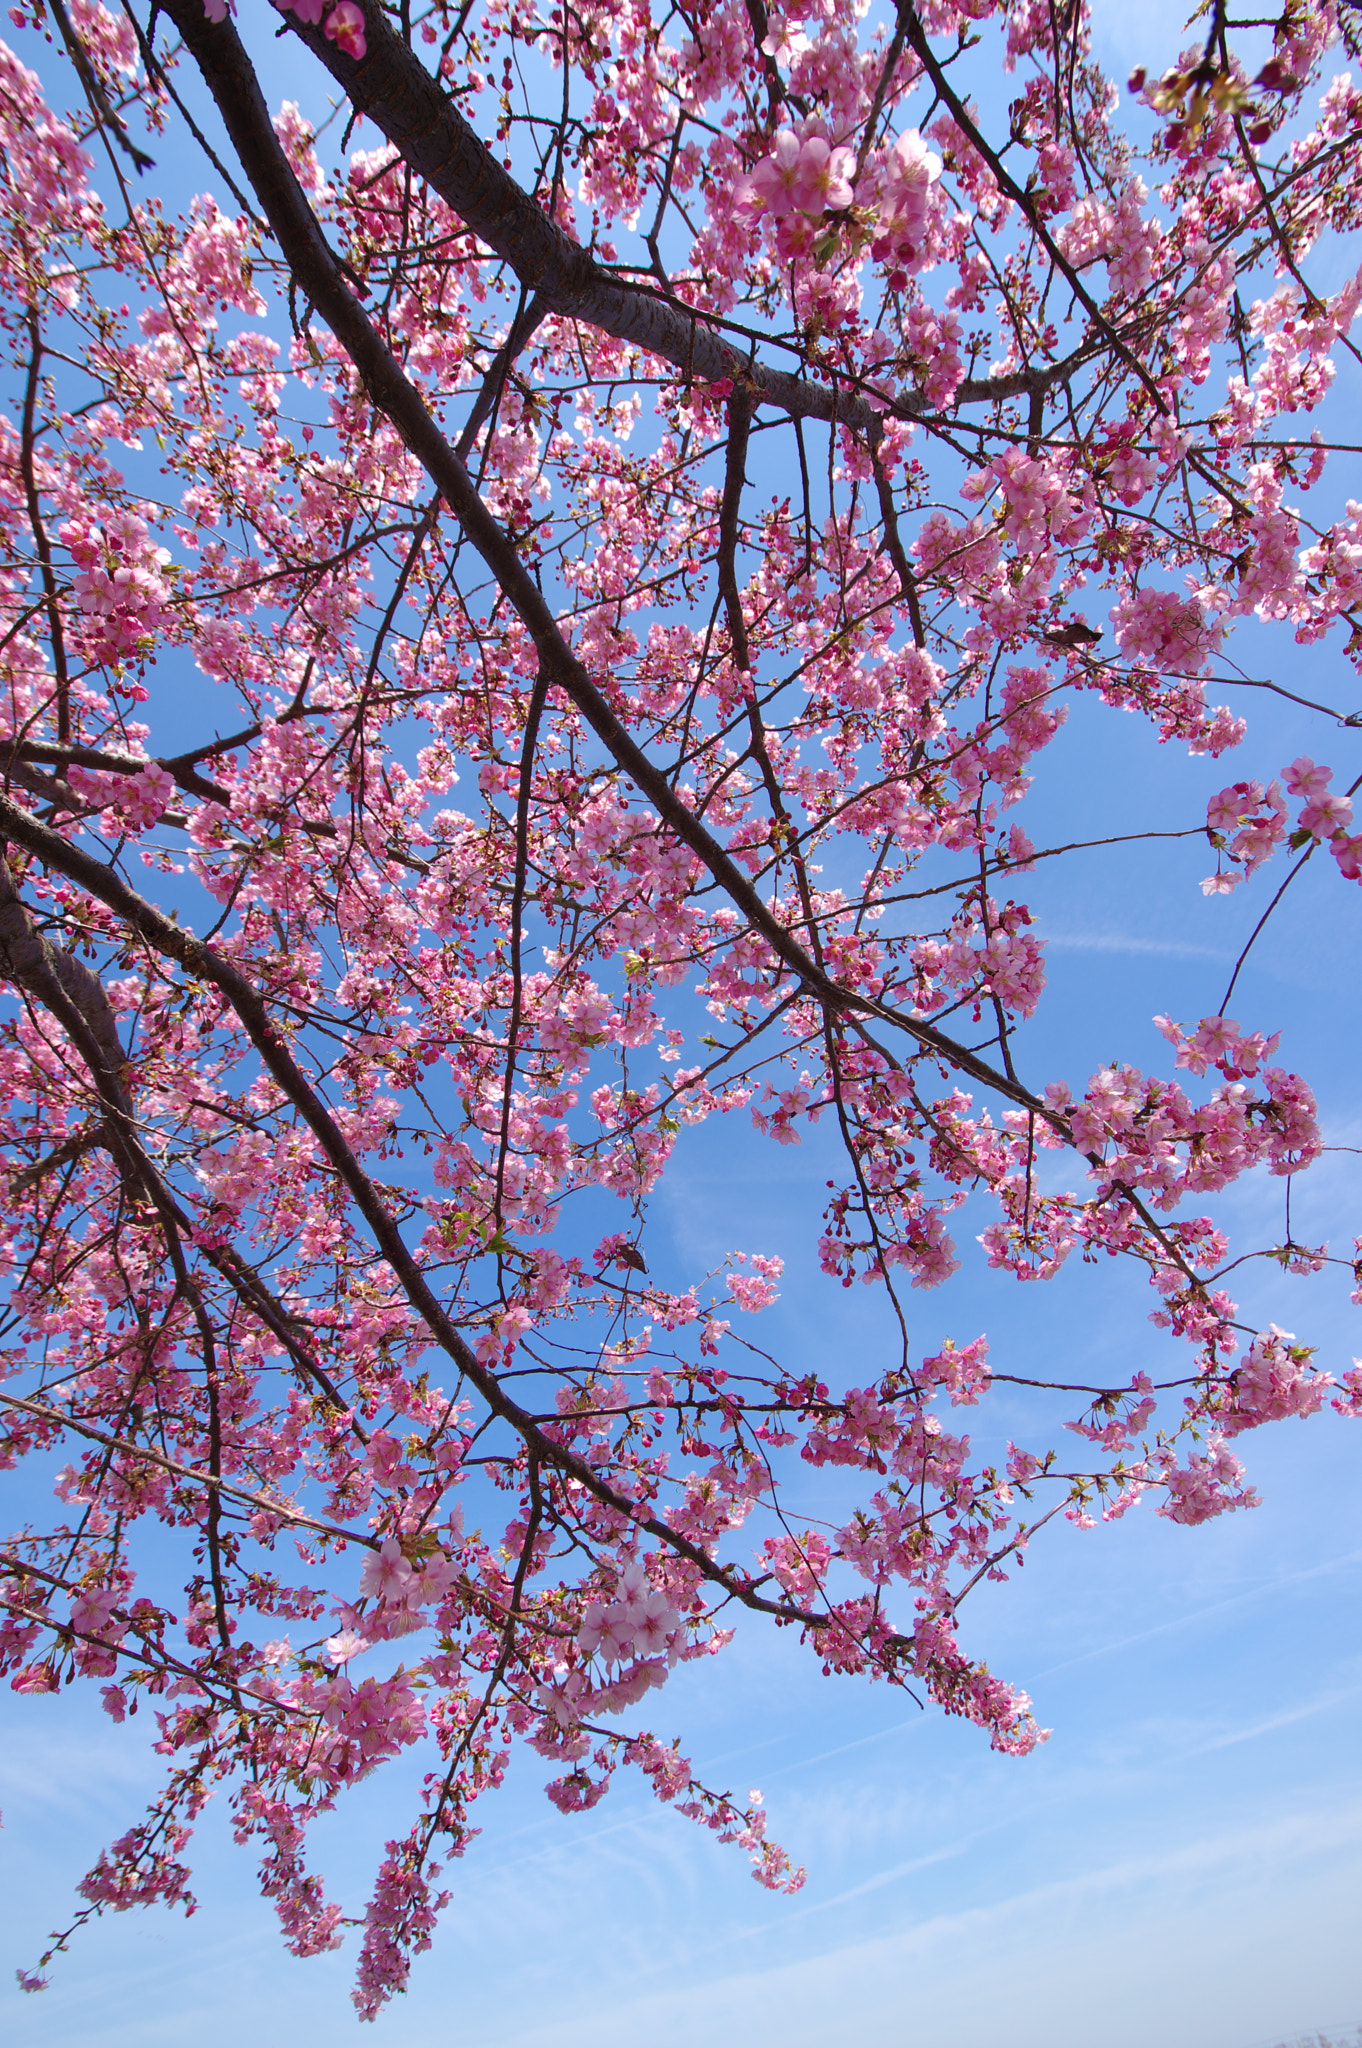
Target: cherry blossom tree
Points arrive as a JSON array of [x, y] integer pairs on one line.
[[429, 463]]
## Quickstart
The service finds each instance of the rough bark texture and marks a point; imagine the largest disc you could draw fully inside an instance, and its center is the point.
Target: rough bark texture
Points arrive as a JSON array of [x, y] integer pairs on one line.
[[231, 78], [393, 89]]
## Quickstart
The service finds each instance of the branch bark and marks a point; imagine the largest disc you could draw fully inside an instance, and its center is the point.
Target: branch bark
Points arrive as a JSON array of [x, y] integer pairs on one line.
[[230, 77], [214, 1483], [393, 89], [172, 941]]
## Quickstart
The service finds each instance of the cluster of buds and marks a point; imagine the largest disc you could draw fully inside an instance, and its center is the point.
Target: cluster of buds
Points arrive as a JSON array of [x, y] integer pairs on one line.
[[1190, 93]]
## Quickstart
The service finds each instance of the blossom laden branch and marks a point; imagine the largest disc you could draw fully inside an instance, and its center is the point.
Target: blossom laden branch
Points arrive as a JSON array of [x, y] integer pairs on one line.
[[325, 1103]]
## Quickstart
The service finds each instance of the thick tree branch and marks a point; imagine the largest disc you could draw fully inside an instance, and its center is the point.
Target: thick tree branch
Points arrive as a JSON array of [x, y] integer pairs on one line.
[[231, 78], [392, 87], [70, 1149], [112, 762]]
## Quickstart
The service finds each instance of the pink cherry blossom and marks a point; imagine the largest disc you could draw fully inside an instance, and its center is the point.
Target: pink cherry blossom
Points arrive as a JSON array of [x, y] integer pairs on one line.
[[1209, 1484], [906, 175], [822, 182], [496, 676], [809, 175], [386, 1574], [775, 178], [1274, 1382], [345, 28], [1347, 851], [1323, 816], [1305, 778]]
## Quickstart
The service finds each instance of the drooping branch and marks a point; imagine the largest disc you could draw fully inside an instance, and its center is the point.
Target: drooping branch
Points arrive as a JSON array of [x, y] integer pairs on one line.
[[662, 838], [106, 115], [170, 939]]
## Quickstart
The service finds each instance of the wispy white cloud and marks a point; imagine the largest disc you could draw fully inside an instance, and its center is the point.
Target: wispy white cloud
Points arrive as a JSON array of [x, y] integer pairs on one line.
[[1129, 942], [1266, 1589], [1032, 1967]]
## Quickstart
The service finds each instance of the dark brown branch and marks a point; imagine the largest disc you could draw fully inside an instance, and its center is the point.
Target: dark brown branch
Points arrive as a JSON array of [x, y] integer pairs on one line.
[[70, 1149], [730, 510], [498, 370], [35, 520], [102, 107], [114, 763], [74, 995], [898, 554], [170, 939], [394, 90], [53, 789], [231, 78], [144, 1454], [533, 714], [917, 36]]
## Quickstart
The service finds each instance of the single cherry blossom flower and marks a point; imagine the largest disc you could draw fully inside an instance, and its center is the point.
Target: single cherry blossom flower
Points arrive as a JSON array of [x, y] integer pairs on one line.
[[822, 180], [773, 180], [387, 1573], [345, 28]]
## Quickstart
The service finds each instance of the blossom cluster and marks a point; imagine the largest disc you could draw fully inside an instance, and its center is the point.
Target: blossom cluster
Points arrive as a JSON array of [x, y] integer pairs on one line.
[[1248, 823]]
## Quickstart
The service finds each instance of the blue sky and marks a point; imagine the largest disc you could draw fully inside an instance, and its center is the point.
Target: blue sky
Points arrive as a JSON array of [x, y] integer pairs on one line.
[[1179, 1865]]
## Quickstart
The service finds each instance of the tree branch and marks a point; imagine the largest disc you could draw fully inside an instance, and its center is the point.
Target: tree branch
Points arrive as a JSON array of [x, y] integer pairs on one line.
[[199, 959], [730, 510], [145, 1455], [392, 87], [917, 36], [231, 78]]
